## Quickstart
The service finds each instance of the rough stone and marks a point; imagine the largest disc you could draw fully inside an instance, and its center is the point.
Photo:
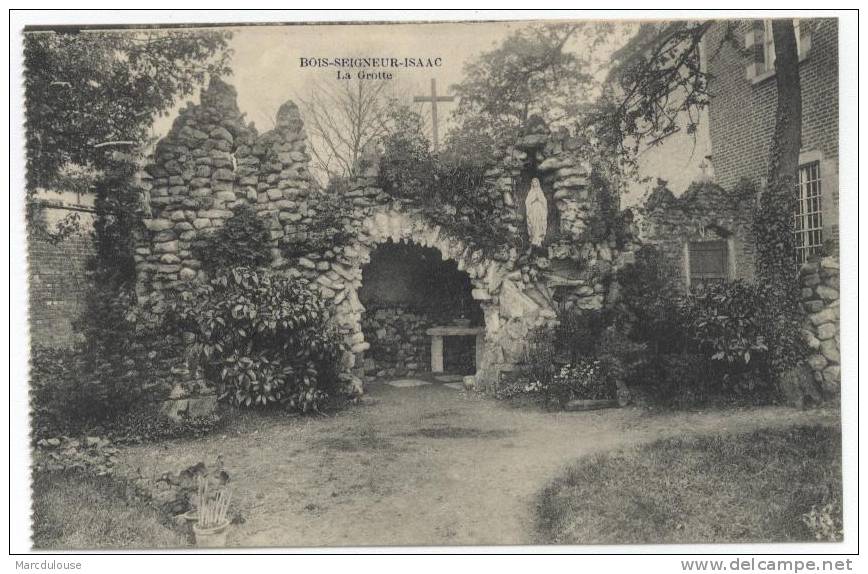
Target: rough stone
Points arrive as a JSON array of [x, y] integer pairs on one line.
[[186, 274], [827, 315], [827, 293], [829, 349], [817, 362], [158, 224], [799, 388], [826, 331], [201, 406], [166, 247]]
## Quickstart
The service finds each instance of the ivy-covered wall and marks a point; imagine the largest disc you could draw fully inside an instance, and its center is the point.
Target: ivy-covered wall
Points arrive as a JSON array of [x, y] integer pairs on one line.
[[705, 212]]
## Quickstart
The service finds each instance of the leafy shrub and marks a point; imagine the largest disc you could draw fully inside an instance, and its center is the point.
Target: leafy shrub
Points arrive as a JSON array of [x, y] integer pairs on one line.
[[407, 166], [674, 380], [56, 396], [651, 308], [72, 392], [826, 522], [243, 241], [728, 323], [328, 229], [262, 338], [719, 342], [578, 332], [558, 369], [450, 189], [121, 362], [583, 379]]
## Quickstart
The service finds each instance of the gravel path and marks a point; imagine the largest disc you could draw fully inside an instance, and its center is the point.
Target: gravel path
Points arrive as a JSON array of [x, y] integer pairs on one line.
[[425, 465]]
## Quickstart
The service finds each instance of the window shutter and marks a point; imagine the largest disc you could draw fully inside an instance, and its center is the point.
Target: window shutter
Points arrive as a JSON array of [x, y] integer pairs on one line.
[[805, 27], [753, 42], [829, 173], [708, 261]]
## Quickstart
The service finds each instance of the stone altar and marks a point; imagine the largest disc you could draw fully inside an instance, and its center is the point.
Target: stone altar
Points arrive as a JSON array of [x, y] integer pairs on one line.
[[437, 334]]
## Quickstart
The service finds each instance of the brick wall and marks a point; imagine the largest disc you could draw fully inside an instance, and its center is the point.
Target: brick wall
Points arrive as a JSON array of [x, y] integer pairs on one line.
[[57, 287], [742, 110]]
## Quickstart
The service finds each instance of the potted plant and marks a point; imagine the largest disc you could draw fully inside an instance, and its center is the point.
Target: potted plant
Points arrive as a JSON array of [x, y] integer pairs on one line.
[[212, 525]]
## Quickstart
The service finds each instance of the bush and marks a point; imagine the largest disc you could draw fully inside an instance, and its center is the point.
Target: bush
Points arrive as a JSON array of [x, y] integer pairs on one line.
[[674, 380], [578, 332], [123, 360], [72, 392], [450, 189], [243, 241], [564, 363], [728, 322], [407, 166], [651, 309], [583, 379], [262, 337], [327, 230], [58, 400], [719, 342]]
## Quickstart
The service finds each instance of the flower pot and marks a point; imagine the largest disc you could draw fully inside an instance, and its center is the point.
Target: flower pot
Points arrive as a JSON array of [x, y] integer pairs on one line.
[[214, 537], [191, 516], [461, 322]]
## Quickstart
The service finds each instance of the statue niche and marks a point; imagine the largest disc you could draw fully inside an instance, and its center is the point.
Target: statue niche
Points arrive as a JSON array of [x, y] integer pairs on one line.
[[539, 213], [537, 209]]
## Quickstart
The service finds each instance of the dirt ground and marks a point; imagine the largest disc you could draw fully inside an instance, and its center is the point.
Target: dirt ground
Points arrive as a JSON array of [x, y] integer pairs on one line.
[[425, 465]]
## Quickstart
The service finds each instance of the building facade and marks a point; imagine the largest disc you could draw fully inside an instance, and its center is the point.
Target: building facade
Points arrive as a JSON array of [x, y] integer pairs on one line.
[[740, 59]]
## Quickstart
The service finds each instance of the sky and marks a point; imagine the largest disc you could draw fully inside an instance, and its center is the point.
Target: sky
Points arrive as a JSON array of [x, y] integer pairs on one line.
[[267, 72]]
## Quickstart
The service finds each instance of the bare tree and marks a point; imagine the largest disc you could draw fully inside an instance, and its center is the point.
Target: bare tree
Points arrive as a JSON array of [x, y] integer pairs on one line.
[[342, 118]]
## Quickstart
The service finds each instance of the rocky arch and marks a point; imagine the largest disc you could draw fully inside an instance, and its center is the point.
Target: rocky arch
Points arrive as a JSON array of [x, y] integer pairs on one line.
[[212, 162], [509, 310]]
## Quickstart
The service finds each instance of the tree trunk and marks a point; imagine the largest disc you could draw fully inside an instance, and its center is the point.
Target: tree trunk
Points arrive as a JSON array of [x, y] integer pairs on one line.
[[776, 265], [777, 268]]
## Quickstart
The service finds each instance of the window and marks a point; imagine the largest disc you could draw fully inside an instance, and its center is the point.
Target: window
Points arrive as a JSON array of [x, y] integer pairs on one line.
[[708, 262], [769, 43], [809, 212], [760, 40]]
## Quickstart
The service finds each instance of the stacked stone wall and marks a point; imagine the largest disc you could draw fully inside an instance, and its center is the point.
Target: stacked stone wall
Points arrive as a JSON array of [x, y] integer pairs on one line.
[[211, 162], [822, 329], [399, 345], [705, 212]]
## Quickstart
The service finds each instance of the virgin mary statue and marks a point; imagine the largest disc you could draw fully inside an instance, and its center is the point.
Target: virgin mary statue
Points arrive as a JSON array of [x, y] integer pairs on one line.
[[537, 213]]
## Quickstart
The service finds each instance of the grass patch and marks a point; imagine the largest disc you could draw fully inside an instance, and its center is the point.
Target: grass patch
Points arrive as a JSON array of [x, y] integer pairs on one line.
[[752, 487], [76, 511], [368, 439]]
